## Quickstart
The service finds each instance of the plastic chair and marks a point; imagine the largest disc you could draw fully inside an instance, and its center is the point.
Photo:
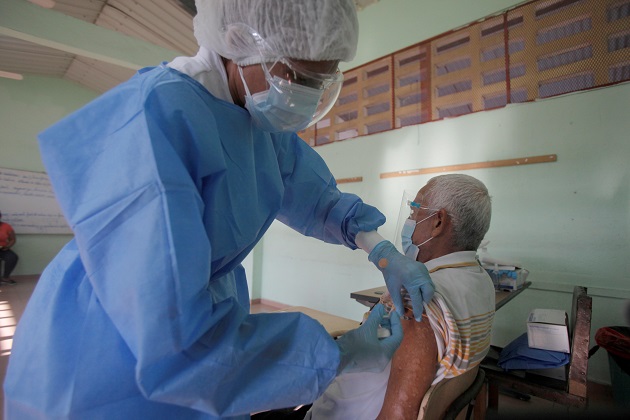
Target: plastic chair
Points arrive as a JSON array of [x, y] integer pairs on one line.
[[571, 390], [448, 398]]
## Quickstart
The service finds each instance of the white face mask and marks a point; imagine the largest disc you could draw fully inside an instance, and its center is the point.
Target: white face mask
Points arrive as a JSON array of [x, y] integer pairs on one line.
[[282, 107], [291, 109], [411, 250]]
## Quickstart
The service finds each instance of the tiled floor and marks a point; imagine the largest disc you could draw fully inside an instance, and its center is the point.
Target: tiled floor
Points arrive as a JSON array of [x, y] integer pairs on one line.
[[13, 299]]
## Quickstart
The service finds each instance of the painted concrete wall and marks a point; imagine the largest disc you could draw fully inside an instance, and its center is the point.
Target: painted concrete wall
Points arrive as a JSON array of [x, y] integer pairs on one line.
[[26, 108], [568, 222]]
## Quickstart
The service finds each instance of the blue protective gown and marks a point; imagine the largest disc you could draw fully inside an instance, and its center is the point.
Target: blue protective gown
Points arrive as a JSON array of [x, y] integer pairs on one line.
[[145, 313]]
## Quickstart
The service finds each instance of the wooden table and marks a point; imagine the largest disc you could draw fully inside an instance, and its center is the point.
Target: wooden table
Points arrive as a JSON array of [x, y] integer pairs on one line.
[[334, 325], [371, 296]]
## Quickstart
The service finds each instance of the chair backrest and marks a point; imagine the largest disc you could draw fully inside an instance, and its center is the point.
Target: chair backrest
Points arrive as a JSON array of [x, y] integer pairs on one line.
[[440, 396], [581, 311]]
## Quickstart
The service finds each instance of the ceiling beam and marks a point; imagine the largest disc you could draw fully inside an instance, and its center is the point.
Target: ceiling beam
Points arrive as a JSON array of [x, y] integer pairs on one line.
[[23, 20]]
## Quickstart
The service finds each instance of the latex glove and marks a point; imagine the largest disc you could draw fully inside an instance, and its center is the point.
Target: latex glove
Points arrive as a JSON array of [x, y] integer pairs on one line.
[[400, 271], [362, 350]]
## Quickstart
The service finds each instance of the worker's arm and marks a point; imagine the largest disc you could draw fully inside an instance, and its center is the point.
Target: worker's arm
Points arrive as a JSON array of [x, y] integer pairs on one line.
[[312, 203]]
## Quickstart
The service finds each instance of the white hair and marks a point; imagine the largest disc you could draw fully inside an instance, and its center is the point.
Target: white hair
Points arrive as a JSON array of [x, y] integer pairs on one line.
[[467, 202]]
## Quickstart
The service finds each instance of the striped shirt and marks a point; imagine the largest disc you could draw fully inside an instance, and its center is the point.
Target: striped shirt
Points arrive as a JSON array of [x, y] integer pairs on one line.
[[461, 313]]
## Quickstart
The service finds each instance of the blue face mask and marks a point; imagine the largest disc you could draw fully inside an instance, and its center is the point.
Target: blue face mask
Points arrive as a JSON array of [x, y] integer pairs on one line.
[[283, 107], [409, 227]]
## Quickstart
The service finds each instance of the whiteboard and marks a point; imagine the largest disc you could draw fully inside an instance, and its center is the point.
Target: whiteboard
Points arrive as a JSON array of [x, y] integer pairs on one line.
[[28, 203]]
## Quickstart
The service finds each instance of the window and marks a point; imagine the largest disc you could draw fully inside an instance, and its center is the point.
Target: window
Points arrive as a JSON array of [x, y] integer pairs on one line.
[[411, 99], [566, 85], [407, 80], [497, 76], [563, 30], [451, 88], [548, 7], [619, 41], [377, 108], [376, 90], [498, 26], [619, 72], [498, 100], [347, 116], [352, 97], [411, 120], [320, 140], [452, 43], [455, 110], [565, 57], [459, 64], [350, 81], [498, 51], [346, 134], [554, 47], [414, 59], [618, 11], [494, 76], [376, 71], [378, 127]]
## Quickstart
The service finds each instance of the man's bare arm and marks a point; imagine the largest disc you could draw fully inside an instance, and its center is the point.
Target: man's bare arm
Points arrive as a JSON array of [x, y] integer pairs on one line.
[[413, 369]]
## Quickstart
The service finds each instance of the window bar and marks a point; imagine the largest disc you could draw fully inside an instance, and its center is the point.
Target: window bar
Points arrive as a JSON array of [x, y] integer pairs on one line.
[[392, 90], [508, 83], [429, 66]]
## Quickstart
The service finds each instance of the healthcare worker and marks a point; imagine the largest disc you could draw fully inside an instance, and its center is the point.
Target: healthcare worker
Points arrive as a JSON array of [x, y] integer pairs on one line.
[[168, 182]]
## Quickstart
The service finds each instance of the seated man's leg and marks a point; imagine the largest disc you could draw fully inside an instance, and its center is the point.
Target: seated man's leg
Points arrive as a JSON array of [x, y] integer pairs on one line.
[[413, 369], [10, 261]]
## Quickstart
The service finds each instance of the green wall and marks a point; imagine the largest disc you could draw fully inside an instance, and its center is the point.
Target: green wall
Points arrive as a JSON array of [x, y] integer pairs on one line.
[[391, 25], [26, 108], [568, 222]]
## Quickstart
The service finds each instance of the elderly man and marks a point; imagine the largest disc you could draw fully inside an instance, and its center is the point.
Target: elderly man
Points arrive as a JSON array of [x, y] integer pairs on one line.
[[447, 221]]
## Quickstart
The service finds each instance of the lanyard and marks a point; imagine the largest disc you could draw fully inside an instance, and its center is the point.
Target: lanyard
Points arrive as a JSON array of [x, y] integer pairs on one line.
[[458, 265]]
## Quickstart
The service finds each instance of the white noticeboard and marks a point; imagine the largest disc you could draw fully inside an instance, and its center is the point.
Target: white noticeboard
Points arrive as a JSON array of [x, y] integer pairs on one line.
[[28, 203]]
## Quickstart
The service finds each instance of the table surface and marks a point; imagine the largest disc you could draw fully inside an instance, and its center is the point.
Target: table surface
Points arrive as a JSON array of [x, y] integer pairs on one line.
[[334, 325], [369, 297], [337, 325]]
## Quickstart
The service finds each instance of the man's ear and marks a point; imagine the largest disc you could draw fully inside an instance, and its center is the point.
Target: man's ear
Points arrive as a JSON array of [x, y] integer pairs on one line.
[[439, 223]]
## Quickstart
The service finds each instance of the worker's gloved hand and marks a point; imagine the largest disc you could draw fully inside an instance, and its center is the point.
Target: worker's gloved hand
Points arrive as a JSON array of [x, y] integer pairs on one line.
[[400, 271], [362, 350]]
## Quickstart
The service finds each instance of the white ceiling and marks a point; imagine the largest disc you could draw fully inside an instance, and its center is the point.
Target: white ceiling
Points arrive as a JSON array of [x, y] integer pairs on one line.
[[163, 23]]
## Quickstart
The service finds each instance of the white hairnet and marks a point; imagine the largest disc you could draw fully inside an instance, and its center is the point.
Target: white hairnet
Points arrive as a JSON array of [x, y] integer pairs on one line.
[[314, 30]]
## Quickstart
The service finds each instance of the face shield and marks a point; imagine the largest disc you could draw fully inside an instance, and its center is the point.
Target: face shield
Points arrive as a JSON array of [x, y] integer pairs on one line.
[[409, 215], [296, 97]]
